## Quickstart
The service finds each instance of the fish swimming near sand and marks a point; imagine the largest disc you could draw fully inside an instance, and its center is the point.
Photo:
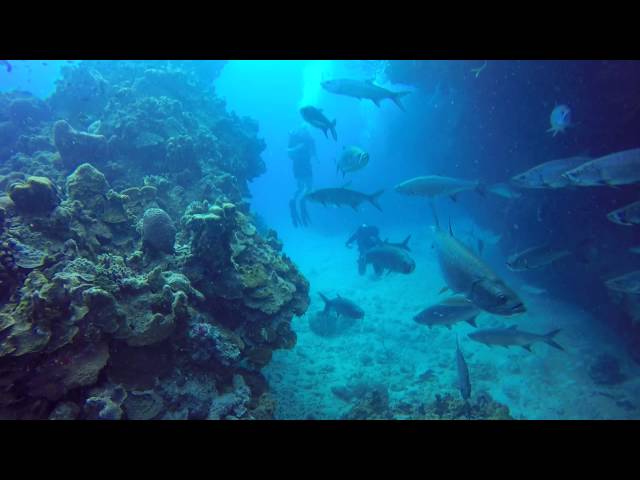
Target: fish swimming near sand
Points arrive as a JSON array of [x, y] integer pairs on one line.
[[363, 89], [511, 336], [389, 258], [560, 119], [621, 168], [448, 312], [316, 118], [466, 273], [342, 306], [403, 245], [627, 283], [464, 383], [535, 257], [351, 160], [344, 196], [629, 215], [431, 186], [549, 174]]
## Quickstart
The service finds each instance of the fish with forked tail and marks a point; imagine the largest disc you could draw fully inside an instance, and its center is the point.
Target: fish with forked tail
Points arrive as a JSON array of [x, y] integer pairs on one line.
[[344, 196], [316, 118], [363, 89], [342, 306], [511, 336]]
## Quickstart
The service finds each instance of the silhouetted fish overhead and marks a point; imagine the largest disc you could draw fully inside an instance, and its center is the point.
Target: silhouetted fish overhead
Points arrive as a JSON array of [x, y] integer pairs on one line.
[[363, 89]]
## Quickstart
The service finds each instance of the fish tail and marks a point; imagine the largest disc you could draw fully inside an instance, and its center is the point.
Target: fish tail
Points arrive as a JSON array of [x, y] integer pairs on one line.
[[373, 198], [326, 301], [334, 134], [405, 243], [548, 338], [396, 99]]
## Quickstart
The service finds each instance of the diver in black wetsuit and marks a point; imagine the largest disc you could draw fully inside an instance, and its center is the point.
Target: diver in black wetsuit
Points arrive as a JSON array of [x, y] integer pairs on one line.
[[301, 150], [367, 236]]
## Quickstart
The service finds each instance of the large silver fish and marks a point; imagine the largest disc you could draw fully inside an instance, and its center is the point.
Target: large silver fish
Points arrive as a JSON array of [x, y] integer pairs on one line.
[[511, 336], [392, 259], [362, 89], [628, 215], [549, 174], [466, 273], [449, 312], [627, 283], [535, 257], [344, 196], [352, 159], [431, 186], [621, 168]]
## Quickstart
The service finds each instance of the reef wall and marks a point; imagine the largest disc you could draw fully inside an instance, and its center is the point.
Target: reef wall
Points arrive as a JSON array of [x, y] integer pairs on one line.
[[134, 283]]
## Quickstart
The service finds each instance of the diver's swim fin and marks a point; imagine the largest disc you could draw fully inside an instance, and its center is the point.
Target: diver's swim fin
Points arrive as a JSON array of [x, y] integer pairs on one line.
[[306, 221], [294, 213]]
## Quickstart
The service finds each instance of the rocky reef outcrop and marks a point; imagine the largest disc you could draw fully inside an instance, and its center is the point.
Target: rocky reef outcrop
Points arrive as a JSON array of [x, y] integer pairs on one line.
[[134, 283]]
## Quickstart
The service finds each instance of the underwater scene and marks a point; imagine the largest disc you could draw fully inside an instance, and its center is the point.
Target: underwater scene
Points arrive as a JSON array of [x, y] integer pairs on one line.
[[319, 239]]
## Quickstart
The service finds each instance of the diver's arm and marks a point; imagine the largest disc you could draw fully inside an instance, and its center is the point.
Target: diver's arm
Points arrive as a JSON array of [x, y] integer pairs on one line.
[[351, 239]]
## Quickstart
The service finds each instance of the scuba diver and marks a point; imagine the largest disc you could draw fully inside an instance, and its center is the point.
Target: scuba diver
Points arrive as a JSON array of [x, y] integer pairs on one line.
[[301, 150], [367, 236]]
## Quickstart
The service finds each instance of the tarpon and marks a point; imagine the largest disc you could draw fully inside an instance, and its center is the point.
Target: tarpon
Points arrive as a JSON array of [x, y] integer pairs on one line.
[[342, 306], [511, 336], [316, 118], [549, 174], [627, 283], [448, 312], [621, 168], [363, 89], [431, 186], [535, 257], [344, 196], [466, 273], [628, 215], [392, 259]]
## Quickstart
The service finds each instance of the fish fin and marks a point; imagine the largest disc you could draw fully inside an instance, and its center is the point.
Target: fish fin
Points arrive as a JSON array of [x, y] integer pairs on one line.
[[443, 289], [548, 338], [373, 198], [472, 321], [334, 134], [405, 243], [453, 197], [396, 99], [326, 301], [324, 130], [526, 347]]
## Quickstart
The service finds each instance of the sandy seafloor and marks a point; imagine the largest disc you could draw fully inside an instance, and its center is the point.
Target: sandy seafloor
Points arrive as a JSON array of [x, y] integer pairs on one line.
[[387, 347]]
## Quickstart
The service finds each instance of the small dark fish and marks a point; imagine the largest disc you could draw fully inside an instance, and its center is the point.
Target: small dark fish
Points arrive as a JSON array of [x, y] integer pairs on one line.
[[463, 374], [7, 65], [44, 64], [344, 196], [342, 306], [404, 244], [316, 118], [393, 259], [511, 336]]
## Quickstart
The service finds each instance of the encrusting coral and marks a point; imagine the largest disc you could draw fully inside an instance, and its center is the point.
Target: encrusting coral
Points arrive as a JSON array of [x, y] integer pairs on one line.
[[134, 283]]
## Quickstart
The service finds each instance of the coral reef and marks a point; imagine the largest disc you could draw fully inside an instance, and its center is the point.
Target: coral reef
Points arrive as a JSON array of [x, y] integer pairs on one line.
[[133, 281]]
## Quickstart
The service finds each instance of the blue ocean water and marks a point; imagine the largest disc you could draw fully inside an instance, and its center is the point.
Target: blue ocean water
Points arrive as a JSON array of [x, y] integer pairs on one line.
[[479, 121]]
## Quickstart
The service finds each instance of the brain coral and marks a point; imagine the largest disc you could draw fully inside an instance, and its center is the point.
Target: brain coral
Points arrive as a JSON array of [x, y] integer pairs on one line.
[[158, 231]]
